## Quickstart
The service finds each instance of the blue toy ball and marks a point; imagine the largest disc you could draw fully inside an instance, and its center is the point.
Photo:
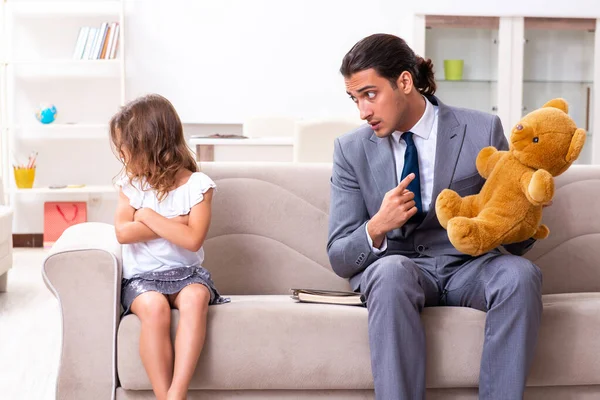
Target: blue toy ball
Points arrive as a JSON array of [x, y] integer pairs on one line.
[[46, 113]]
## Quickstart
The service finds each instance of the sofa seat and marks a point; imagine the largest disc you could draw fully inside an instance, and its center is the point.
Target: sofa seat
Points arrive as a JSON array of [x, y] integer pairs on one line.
[[271, 342]]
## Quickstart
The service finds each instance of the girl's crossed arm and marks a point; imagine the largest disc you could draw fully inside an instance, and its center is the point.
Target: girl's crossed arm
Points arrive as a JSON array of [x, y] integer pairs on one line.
[[127, 230], [190, 236]]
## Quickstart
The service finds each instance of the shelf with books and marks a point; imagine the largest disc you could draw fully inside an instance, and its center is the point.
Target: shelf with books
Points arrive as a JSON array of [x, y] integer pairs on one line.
[[98, 42], [68, 55]]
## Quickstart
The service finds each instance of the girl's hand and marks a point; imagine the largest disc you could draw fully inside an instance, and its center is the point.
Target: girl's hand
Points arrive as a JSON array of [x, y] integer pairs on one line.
[[141, 214]]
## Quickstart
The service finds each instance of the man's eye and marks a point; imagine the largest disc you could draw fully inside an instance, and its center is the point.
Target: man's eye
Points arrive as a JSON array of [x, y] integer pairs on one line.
[[371, 95], [353, 98]]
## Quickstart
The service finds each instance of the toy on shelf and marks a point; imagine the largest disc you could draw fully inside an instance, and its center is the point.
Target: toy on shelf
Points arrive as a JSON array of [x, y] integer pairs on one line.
[[46, 113]]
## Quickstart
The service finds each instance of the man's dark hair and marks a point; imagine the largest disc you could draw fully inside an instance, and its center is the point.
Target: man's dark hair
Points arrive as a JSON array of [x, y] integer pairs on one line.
[[389, 56]]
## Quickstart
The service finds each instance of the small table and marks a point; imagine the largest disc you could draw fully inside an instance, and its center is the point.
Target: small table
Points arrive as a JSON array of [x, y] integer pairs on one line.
[[205, 146]]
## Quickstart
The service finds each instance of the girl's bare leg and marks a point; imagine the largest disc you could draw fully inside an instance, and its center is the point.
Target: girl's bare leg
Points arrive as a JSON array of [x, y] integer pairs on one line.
[[156, 348], [192, 303]]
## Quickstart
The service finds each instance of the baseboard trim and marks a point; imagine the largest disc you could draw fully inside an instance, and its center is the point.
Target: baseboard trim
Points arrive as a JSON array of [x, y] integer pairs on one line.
[[28, 239]]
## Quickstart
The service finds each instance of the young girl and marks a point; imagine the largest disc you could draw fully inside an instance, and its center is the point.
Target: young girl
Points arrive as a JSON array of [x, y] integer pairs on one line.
[[162, 219]]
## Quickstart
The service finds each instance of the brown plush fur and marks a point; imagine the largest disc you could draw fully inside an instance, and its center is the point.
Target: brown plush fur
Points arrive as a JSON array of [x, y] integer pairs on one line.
[[508, 209]]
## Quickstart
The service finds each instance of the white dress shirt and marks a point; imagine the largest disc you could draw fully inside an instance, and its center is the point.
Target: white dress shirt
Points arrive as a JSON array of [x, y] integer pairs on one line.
[[425, 138]]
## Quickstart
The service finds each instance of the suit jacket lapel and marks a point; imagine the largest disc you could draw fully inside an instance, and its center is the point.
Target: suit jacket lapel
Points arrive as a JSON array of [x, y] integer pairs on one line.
[[382, 163], [450, 138], [380, 157]]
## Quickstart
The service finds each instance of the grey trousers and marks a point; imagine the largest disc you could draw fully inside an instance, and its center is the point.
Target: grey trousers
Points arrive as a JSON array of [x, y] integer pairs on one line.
[[397, 288]]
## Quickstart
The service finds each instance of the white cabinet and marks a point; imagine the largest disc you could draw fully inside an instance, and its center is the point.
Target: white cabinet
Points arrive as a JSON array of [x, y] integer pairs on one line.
[[558, 61], [513, 65], [473, 41]]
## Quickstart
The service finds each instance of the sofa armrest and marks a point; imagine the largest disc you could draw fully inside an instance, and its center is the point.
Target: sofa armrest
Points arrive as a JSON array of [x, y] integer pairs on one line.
[[6, 245], [83, 271]]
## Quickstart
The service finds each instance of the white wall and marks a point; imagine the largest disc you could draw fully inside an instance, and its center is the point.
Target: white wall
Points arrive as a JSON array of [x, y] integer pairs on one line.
[[225, 61], [211, 57]]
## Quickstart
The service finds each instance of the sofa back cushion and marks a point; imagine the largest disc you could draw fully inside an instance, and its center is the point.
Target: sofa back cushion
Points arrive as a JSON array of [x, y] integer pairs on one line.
[[569, 257], [269, 228], [270, 222]]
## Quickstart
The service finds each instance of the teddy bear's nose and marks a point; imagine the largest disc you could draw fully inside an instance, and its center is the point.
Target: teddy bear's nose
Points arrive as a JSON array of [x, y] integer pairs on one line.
[[519, 127]]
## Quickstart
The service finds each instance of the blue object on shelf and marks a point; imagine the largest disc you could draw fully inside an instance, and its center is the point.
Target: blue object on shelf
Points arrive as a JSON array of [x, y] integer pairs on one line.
[[46, 113]]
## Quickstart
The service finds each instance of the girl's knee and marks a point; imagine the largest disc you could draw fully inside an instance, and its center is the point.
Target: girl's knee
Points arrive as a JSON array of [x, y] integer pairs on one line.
[[194, 297], [152, 307]]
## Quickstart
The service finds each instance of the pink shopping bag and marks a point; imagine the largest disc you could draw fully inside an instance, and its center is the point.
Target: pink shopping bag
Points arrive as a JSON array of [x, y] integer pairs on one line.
[[58, 216]]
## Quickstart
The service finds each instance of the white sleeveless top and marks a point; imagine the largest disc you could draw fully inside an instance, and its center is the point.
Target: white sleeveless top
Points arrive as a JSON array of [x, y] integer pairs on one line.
[[160, 254]]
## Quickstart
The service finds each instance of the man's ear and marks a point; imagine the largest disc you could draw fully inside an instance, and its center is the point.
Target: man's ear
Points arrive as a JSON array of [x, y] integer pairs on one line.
[[399, 83], [405, 81]]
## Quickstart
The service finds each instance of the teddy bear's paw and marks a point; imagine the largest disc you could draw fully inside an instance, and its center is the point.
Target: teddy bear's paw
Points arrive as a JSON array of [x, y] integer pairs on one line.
[[482, 160], [542, 232], [541, 187], [447, 206], [464, 234]]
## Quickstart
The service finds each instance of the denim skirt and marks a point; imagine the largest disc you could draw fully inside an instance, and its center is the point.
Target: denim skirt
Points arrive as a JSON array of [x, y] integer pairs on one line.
[[167, 282]]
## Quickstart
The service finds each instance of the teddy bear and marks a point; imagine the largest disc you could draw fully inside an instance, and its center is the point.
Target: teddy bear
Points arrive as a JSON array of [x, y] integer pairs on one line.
[[508, 209]]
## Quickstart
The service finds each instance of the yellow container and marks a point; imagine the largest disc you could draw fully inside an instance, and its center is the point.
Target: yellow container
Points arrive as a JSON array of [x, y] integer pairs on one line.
[[24, 177], [453, 70]]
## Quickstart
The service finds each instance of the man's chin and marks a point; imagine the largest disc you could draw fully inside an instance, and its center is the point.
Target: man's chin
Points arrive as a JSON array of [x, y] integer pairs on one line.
[[382, 133]]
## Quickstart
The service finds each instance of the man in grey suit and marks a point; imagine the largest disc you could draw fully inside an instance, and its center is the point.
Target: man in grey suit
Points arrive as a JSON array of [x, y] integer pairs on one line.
[[384, 235]]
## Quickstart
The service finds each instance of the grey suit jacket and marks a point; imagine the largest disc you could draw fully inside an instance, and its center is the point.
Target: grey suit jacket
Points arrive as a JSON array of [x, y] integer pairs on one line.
[[364, 170]]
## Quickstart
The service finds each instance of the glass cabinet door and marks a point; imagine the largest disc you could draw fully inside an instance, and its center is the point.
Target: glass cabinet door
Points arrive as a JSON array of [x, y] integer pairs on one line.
[[464, 52], [558, 61]]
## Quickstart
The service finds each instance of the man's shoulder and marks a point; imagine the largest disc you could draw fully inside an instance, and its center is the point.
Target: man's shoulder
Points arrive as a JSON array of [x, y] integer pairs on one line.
[[470, 116]]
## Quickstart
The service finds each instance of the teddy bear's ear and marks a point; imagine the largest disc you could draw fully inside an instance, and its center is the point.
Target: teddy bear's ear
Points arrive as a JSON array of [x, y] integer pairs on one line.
[[576, 145], [559, 103]]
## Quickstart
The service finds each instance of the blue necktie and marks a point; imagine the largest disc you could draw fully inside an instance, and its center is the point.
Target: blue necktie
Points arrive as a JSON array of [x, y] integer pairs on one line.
[[411, 164]]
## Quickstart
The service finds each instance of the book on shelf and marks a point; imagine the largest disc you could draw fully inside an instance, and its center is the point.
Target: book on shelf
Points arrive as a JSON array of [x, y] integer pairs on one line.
[[328, 297], [97, 43], [80, 45]]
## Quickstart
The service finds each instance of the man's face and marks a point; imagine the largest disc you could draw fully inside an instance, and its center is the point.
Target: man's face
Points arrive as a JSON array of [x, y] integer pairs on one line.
[[379, 104]]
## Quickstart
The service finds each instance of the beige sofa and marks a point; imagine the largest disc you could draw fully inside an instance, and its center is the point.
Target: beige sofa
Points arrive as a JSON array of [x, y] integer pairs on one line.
[[268, 234]]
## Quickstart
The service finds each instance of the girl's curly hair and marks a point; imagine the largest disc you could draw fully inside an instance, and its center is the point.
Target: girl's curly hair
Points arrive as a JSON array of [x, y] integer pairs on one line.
[[147, 136]]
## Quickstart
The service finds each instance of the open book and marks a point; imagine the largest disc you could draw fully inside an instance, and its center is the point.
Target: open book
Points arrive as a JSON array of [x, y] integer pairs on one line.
[[328, 297]]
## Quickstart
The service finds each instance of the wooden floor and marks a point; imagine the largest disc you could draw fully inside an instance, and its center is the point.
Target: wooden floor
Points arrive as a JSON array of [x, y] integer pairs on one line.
[[29, 331]]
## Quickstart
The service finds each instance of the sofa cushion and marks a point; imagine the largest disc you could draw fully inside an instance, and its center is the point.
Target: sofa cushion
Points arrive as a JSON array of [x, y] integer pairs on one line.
[[272, 342]]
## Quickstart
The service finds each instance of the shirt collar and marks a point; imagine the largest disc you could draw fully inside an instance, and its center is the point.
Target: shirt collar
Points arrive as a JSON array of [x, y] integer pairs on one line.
[[424, 126]]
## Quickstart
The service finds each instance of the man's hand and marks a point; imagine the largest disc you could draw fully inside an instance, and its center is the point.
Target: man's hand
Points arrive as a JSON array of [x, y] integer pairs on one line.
[[397, 207]]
